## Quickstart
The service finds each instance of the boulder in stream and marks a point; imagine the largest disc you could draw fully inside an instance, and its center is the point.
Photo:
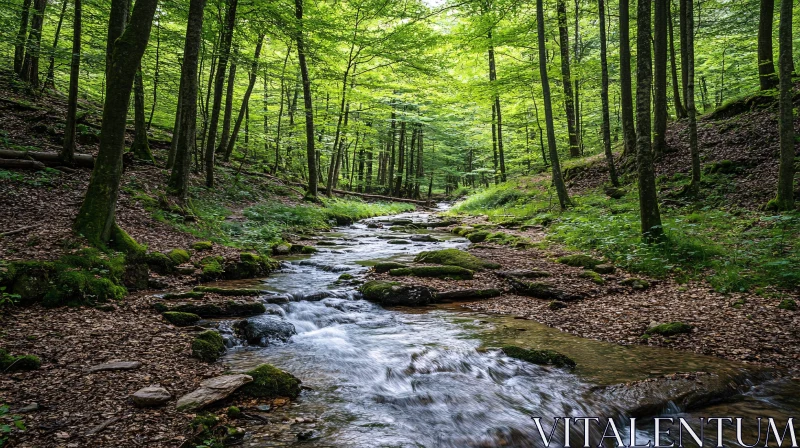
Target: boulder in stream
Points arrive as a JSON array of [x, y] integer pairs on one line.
[[212, 390], [395, 294], [262, 330]]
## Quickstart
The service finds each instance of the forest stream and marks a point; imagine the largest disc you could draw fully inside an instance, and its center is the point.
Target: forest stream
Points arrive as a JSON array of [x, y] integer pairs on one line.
[[434, 376]]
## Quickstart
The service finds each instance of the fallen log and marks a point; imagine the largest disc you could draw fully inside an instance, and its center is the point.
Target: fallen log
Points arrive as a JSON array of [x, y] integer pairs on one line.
[[47, 158], [20, 230], [17, 164]]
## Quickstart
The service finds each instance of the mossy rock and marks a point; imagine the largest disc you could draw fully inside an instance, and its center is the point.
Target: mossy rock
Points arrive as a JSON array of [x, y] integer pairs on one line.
[[398, 241], [202, 245], [234, 412], [238, 292], [604, 268], [447, 272], [580, 261], [250, 265], [788, 304], [477, 237], [31, 279], [556, 305], [636, 283], [345, 277], [208, 346], [184, 295], [160, 263], [506, 239], [386, 266], [9, 363], [282, 249], [271, 382], [593, 276], [244, 309], [543, 290], [462, 230], [180, 319], [455, 257], [669, 329], [541, 357], [395, 294], [81, 287], [209, 310], [179, 256], [308, 250]]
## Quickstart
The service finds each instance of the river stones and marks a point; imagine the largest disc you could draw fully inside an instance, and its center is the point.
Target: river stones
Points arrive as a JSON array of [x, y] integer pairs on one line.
[[387, 266], [541, 357], [444, 272], [151, 396], [424, 238], [116, 365], [262, 330], [212, 390], [542, 290], [282, 249], [394, 294]]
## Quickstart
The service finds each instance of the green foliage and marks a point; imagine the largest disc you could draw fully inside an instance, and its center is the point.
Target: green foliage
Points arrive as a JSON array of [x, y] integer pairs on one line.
[[669, 329], [234, 412], [9, 423], [208, 346], [455, 257], [788, 304], [543, 357], [271, 382], [9, 363]]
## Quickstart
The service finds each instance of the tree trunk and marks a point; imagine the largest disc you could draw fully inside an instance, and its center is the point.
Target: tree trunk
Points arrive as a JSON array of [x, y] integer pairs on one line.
[[497, 113], [336, 153], [156, 75], [569, 105], [494, 143], [19, 44], [612, 172], [30, 64], [49, 82], [96, 218], [246, 99], [390, 174], [648, 199], [173, 146], [626, 91], [785, 197], [68, 150], [577, 58], [140, 147], [398, 182], [660, 78], [768, 79], [680, 111], [558, 180], [684, 55], [691, 108], [226, 117], [309, 106], [420, 164], [219, 82], [179, 177]]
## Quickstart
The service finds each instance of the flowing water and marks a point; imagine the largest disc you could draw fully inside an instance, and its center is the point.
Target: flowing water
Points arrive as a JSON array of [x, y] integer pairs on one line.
[[429, 377]]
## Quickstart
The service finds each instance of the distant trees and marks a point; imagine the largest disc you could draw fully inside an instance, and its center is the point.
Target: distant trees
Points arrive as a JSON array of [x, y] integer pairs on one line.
[[29, 71]]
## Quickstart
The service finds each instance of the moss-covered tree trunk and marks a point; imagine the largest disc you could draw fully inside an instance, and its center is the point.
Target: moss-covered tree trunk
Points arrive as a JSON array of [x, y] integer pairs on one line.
[[307, 103], [767, 77], [19, 44], [246, 100], [179, 177], [648, 199], [612, 171], [625, 83], [140, 147], [558, 180], [68, 149], [785, 198], [660, 78], [691, 107], [569, 99], [30, 64], [96, 218]]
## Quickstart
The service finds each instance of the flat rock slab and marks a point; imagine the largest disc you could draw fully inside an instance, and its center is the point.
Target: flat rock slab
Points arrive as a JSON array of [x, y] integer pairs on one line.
[[211, 390], [151, 396], [117, 365]]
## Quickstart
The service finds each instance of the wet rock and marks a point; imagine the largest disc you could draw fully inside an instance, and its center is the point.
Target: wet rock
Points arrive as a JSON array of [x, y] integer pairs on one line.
[[205, 310], [542, 290], [274, 310], [208, 346], [249, 266], [455, 257], [424, 239], [117, 365], [262, 330], [604, 268], [230, 291], [271, 382], [277, 299], [388, 266], [305, 435], [637, 284], [542, 357], [445, 272], [282, 249], [151, 396], [372, 225], [312, 296], [398, 242], [401, 222], [466, 294], [395, 294], [436, 224], [212, 390]]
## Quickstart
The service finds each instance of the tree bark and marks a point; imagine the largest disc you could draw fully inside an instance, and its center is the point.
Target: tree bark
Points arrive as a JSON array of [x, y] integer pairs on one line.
[[246, 100], [494, 144], [96, 218], [398, 181], [49, 81], [569, 105], [307, 103], [691, 108], [228, 114], [648, 199], [140, 147], [767, 77], [558, 180], [68, 150], [219, 82], [179, 177], [612, 171], [497, 112], [156, 75], [19, 44], [30, 64], [660, 78], [173, 146], [626, 91], [785, 197], [680, 111]]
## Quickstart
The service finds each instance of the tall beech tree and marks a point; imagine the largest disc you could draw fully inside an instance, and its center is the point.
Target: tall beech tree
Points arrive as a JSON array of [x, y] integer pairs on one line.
[[558, 180], [767, 77], [308, 105], [30, 63], [691, 108], [625, 83], [19, 44], [785, 197], [660, 77], [569, 99], [648, 197], [68, 149], [140, 148], [49, 81], [606, 127], [680, 111], [497, 115], [96, 218], [187, 103], [246, 100]]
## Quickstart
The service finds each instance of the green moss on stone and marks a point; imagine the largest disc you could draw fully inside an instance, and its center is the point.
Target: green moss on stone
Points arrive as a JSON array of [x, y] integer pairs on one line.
[[345, 277], [376, 290], [594, 277], [202, 245], [308, 250], [635, 283], [455, 257], [9, 363], [121, 241], [184, 295], [160, 263], [271, 382], [477, 237], [208, 346], [450, 272], [387, 266], [669, 329], [234, 412], [580, 261], [240, 292], [245, 308], [179, 256], [542, 357], [180, 319]]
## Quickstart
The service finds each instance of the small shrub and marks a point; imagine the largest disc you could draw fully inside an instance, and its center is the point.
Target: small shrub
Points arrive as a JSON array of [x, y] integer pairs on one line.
[[788, 304]]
